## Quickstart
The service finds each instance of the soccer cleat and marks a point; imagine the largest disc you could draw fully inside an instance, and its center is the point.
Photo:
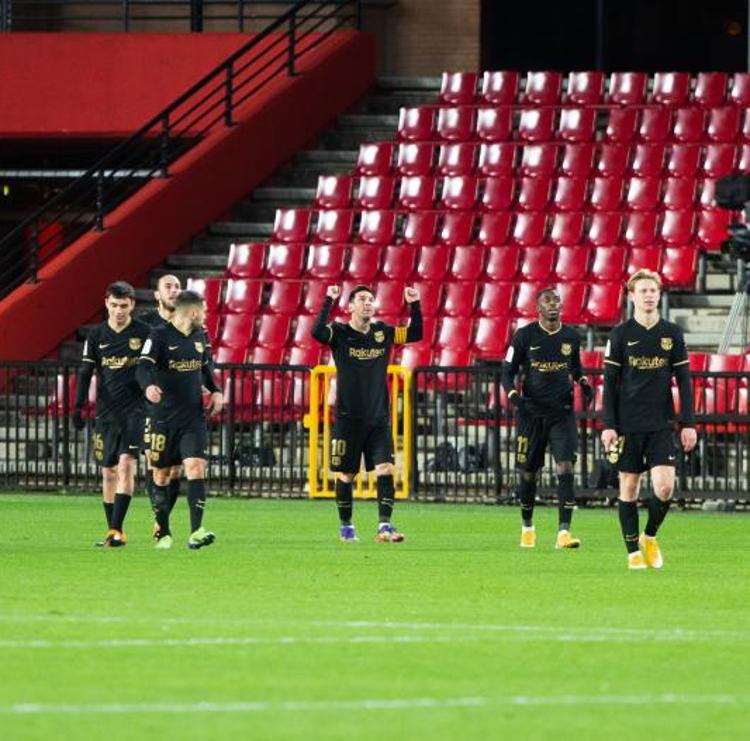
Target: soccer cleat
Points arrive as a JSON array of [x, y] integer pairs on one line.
[[115, 539], [528, 537], [651, 551], [566, 540], [347, 534], [200, 538], [164, 544], [636, 562], [388, 534]]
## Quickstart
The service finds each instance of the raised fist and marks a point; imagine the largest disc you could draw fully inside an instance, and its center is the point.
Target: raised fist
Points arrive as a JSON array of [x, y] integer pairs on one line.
[[411, 295], [333, 292]]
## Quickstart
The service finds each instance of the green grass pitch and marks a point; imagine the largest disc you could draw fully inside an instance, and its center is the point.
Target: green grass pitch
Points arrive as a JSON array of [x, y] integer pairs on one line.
[[278, 631]]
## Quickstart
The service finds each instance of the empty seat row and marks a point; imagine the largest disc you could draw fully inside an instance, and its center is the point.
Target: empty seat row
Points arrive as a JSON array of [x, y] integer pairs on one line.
[[707, 89], [654, 124], [549, 158]]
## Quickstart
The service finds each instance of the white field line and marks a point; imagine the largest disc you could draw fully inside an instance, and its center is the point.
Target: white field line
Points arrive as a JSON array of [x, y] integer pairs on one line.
[[417, 703]]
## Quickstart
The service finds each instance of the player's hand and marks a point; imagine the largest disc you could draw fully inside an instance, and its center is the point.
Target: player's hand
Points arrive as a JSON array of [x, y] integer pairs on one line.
[[78, 421], [333, 292], [411, 295], [519, 402], [588, 394], [216, 403], [688, 438], [153, 393], [609, 439]]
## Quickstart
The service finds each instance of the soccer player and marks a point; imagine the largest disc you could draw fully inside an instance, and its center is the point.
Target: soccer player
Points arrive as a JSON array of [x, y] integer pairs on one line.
[[167, 289], [175, 365], [112, 349], [642, 355], [362, 427], [548, 354]]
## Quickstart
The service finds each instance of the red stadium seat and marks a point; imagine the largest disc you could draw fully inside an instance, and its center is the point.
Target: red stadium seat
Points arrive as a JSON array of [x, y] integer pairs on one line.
[[364, 263], [542, 88], [689, 124], [498, 193], [577, 160], [642, 194], [334, 191], [377, 227], [455, 124], [496, 158], [467, 263], [707, 193], [432, 263], [621, 125], [459, 299], [246, 260], [454, 333], [627, 88], [273, 330], [212, 327], [723, 124], [416, 124], [224, 354], [577, 124], [656, 125], [496, 299], [421, 228], [525, 304], [237, 331], [710, 89], [389, 297], [334, 226], [743, 158], [265, 355], [679, 267], [494, 124], [648, 160], [447, 357], [592, 359], [291, 225], [529, 229], [494, 228], [676, 228], [285, 297], [679, 193], [670, 88], [242, 296], [398, 262], [641, 229], [460, 193], [415, 355], [376, 192], [415, 158], [503, 262], [585, 88], [456, 159], [430, 296], [314, 294], [718, 160], [537, 263], [417, 192], [458, 88], [739, 92], [606, 193], [683, 160], [572, 263], [306, 356], [604, 229], [302, 334], [457, 228], [566, 228], [612, 160], [608, 264], [712, 228], [285, 260], [605, 303], [490, 337], [536, 124], [640, 258], [570, 193], [538, 160], [499, 88], [375, 158], [533, 193], [573, 301]]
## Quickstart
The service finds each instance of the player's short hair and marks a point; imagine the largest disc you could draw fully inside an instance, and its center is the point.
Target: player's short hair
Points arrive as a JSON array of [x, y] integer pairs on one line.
[[359, 289], [643, 274], [164, 277], [120, 289], [546, 289], [187, 299]]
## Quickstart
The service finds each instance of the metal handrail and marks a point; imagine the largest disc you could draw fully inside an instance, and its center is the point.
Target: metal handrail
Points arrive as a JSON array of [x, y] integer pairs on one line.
[[149, 153]]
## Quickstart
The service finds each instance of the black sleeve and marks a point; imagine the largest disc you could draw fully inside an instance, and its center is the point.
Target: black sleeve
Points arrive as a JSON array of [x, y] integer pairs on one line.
[[145, 372], [575, 361], [613, 357], [415, 331], [681, 370], [321, 330], [208, 368], [514, 359], [89, 360]]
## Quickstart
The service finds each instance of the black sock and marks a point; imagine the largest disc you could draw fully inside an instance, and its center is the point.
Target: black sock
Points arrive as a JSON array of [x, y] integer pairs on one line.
[[386, 492], [196, 492], [108, 507], [527, 495], [628, 512], [161, 509], [122, 502], [565, 500], [174, 492], [657, 511], [344, 501]]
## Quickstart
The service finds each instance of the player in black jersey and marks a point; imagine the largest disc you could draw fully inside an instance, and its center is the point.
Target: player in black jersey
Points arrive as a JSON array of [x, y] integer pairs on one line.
[[548, 354], [642, 355], [167, 289], [112, 350], [360, 350], [175, 366]]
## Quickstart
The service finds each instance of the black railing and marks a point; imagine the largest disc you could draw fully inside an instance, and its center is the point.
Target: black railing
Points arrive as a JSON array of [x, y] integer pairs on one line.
[[209, 104]]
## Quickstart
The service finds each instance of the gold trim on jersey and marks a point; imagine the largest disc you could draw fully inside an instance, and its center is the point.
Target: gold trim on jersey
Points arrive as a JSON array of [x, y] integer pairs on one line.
[[681, 362], [612, 362], [547, 331], [399, 337]]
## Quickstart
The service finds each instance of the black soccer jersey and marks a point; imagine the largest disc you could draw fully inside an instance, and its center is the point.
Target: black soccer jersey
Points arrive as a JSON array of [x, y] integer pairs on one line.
[[114, 355], [153, 318], [180, 365], [548, 361], [639, 364]]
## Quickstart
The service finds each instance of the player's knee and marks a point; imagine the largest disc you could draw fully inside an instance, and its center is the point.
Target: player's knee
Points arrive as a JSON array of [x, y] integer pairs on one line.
[[347, 478], [564, 467], [529, 476], [663, 490], [161, 476], [195, 469], [384, 469], [109, 474], [175, 472]]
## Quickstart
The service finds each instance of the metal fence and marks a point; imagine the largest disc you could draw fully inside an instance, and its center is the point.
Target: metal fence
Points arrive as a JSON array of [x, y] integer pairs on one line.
[[461, 429]]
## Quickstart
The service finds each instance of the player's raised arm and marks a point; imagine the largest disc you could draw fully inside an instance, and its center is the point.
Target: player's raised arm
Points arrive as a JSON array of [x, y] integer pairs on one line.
[[321, 330], [415, 330]]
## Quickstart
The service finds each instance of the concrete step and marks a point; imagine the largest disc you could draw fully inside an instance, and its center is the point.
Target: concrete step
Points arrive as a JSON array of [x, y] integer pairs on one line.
[[283, 194], [246, 229], [368, 121], [205, 244], [197, 261], [325, 156], [394, 84]]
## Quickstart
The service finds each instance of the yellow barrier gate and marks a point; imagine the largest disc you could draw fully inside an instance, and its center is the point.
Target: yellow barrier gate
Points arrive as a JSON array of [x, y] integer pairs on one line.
[[322, 480]]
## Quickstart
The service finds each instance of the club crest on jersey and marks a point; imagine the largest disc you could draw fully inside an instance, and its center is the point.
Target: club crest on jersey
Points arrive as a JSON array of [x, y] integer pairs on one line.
[[198, 346], [379, 336], [134, 343], [666, 343], [566, 348]]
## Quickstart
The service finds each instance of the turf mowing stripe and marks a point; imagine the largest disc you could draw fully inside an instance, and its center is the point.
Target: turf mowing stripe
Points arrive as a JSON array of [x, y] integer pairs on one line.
[[369, 704]]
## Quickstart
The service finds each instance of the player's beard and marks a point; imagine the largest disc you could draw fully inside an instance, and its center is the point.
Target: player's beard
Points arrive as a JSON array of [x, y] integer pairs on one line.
[[195, 325]]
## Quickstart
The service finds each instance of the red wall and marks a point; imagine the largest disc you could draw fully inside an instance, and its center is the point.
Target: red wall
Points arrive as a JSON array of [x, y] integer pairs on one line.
[[96, 84], [203, 184]]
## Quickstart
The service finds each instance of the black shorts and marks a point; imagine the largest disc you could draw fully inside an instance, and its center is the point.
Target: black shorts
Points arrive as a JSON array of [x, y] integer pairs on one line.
[[640, 451], [535, 433], [170, 445], [113, 439], [351, 439]]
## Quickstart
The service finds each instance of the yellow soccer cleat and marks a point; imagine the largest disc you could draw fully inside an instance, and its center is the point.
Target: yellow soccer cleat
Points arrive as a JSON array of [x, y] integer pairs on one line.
[[636, 561], [528, 537], [566, 540], [651, 551]]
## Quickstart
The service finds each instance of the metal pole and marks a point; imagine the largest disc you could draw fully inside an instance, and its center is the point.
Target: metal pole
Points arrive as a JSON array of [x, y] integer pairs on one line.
[[99, 202], [164, 147], [126, 15], [34, 266], [359, 15], [601, 31], [228, 96], [290, 61], [241, 15], [196, 16]]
